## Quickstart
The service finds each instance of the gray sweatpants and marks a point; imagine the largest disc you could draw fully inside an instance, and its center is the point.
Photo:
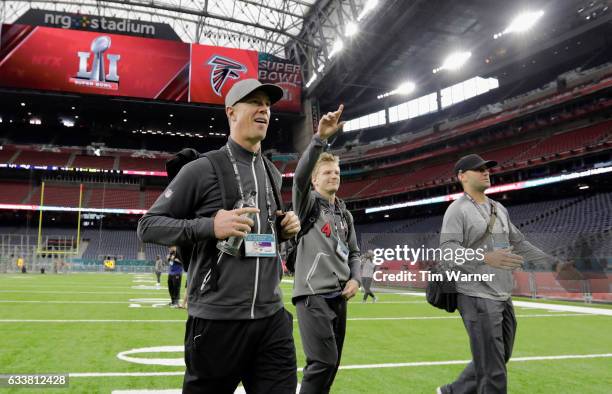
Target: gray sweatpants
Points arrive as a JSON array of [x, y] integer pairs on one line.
[[322, 323], [491, 326]]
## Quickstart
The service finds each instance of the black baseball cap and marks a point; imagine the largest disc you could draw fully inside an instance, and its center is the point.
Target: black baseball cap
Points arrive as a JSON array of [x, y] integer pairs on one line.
[[243, 88], [472, 162]]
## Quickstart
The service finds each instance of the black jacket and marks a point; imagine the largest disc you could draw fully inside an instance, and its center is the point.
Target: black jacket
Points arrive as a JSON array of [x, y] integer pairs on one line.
[[247, 288]]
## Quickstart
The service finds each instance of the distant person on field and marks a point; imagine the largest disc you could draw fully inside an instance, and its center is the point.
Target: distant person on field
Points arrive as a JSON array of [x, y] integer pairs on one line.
[[159, 266]]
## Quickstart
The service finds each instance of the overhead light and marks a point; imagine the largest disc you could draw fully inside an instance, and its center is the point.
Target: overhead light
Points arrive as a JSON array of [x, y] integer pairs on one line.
[[23, 104], [337, 47], [311, 80], [96, 152], [67, 122], [212, 118], [522, 23], [35, 121], [124, 111], [583, 187], [76, 116], [351, 29], [0, 119], [125, 120], [169, 123], [72, 107], [404, 89], [369, 6], [386, 215], [171, 115], [210, 127], [321, 67], [454, 61]]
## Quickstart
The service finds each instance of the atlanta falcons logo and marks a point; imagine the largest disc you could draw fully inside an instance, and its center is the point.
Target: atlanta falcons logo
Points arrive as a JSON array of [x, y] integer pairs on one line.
[[223, 68]]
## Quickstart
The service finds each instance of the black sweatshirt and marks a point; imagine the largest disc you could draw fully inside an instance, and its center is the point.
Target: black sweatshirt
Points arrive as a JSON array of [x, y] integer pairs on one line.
[[248, 287]]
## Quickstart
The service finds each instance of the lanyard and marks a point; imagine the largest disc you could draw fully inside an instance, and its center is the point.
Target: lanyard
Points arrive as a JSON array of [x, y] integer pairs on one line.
[[238, 180], [490, 222], [333, 220]]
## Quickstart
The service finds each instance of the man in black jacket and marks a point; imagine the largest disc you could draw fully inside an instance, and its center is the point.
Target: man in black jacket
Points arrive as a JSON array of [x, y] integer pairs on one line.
[[238, 329]]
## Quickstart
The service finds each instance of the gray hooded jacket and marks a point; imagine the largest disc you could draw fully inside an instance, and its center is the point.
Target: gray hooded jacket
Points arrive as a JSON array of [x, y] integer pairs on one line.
[[318, 269]]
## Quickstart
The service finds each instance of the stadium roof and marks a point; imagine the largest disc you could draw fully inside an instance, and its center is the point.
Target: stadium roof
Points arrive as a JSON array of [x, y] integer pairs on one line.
[[406, 40], [262, 25], [398, 40]]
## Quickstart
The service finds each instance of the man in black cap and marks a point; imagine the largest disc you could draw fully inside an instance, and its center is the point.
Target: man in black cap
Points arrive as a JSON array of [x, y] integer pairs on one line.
[[238, 329], [477, 223]]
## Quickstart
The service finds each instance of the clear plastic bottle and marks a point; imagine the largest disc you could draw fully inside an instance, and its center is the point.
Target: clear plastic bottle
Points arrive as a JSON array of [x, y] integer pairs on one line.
[[232, 244]]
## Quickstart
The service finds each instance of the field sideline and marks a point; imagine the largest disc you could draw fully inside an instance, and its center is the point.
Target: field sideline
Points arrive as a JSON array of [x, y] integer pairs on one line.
[[86, 324]]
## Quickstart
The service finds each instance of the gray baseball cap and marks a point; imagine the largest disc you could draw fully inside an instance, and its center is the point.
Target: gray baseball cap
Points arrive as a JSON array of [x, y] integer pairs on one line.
[[243, 88], [473, 162]]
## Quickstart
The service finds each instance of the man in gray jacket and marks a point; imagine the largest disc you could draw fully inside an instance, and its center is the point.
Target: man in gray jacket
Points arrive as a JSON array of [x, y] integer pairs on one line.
[[477, 223], [327, 264], [367, 274], [238, 329]]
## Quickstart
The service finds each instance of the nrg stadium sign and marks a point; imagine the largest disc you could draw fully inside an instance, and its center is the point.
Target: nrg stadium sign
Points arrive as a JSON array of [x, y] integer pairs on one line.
[[66, 20]]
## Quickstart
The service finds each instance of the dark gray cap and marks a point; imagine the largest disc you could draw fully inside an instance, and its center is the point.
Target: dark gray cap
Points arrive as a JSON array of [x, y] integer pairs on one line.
[[473, 162], [243, 88]]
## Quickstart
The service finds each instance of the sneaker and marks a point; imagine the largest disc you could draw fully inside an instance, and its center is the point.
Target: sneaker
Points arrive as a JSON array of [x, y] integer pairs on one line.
[[443, 390], [375, 299]]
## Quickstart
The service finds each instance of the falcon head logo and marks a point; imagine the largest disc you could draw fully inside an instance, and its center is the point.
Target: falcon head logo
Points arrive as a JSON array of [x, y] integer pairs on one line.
[[223, 68]]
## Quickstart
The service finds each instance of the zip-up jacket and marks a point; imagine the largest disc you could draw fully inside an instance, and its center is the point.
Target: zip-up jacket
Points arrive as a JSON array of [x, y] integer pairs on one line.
[[318, 269], [246, 287]]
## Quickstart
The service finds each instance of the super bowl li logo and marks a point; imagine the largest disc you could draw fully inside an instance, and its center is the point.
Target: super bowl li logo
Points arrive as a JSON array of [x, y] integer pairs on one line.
[[97, 76]]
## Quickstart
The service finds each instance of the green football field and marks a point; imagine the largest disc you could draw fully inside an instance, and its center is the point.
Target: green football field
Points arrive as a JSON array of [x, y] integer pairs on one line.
[[78, 324]]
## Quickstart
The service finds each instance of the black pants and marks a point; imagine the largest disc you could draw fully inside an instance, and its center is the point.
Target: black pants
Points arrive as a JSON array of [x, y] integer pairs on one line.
[[491, 326], [174, 288], [219, 354], [322, 323], [367, 283]]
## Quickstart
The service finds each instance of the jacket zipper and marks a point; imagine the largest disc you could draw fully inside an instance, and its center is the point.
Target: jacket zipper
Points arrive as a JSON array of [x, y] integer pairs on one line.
[[313, 268], [258, 227]]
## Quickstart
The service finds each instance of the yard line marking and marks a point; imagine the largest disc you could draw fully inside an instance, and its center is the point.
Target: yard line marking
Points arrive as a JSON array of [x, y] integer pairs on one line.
[[529, 304], [563, 308], [239, 390], [137, 293], [62, 302], [295, 320], [160, 300], [452, 362], [360, 366]]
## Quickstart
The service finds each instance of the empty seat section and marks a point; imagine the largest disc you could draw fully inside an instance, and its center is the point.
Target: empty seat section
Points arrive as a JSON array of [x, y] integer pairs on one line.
[[114, 198], [101, 162], [42, 158]]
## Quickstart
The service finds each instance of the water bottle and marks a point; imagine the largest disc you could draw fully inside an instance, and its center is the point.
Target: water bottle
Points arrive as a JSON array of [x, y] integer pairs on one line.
[[232, 244]]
